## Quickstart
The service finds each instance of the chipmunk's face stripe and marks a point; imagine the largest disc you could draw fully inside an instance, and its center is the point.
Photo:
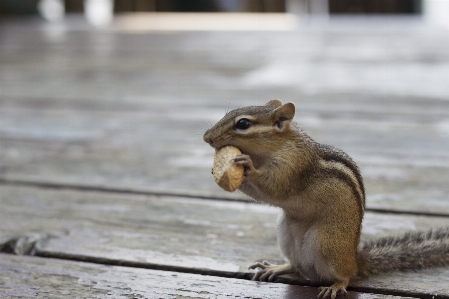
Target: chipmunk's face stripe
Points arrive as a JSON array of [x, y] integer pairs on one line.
[[254, 129], [249, 117]]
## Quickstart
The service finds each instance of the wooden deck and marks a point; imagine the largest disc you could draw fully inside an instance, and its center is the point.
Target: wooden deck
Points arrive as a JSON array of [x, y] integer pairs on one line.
[[105, 185]]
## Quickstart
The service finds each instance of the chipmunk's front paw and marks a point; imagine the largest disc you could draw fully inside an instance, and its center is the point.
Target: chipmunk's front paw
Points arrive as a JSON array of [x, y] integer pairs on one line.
[[332, 291], [246, 162], [269, 272]]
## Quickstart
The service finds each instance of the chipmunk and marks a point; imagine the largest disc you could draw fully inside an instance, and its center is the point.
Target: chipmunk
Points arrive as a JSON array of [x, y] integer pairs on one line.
[[322, 198]]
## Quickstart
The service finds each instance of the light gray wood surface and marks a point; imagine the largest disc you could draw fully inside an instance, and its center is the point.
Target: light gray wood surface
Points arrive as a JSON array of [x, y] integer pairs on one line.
[[403, 158], [101, 108], [47, 278], [102, 158], [179, 234]]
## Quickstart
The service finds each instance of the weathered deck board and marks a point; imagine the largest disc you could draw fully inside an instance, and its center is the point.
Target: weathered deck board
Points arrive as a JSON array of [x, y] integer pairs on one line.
[[109, 110], [181, 234], [47, 278], [129, 111], [405, 167]]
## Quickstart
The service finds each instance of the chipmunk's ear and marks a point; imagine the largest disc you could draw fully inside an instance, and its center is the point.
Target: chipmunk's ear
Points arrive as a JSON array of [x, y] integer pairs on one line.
[[274, 104], [284, 114]]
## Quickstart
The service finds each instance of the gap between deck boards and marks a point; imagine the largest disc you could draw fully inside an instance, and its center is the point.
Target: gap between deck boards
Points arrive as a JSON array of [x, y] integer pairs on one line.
[[180, 193]]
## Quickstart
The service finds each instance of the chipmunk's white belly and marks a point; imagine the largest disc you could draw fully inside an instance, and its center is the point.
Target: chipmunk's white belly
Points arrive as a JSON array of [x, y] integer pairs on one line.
[[297, 244]]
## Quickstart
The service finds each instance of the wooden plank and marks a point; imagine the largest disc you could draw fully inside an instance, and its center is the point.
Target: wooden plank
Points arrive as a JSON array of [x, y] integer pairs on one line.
[[404, 168], [49, 278], [135, 118], [180, 234]]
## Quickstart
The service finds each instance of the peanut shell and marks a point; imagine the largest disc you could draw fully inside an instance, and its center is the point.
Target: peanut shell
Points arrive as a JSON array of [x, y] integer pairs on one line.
[[226, 174]]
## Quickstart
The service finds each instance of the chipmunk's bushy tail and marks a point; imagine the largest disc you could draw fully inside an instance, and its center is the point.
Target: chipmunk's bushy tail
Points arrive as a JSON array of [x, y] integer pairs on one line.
[[411, 251]]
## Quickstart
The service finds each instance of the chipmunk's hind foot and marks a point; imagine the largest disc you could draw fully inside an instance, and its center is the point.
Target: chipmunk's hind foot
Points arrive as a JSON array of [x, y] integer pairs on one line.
[[338, 288]]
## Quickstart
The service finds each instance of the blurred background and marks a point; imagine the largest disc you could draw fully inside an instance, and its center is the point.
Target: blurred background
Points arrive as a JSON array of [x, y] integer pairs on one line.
[[103, 107], [117, 94], [433, 10], [324, 6]]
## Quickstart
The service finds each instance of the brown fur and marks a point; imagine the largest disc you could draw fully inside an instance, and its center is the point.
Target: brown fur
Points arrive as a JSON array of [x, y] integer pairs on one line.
[[320, 191]]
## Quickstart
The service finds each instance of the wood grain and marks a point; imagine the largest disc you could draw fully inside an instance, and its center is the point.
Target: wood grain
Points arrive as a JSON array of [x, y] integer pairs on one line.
[[179, 234], [49, 278]]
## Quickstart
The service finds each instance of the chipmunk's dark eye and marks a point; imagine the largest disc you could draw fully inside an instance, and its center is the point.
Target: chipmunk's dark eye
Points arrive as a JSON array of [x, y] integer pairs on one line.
[[243, 124]]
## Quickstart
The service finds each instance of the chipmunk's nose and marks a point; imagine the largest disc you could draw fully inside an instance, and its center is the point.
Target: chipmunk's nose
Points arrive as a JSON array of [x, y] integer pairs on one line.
[[208, 138]]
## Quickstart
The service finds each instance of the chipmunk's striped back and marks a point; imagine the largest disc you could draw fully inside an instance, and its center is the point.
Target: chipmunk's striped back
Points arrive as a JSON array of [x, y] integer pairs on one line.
[[337, 163]]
